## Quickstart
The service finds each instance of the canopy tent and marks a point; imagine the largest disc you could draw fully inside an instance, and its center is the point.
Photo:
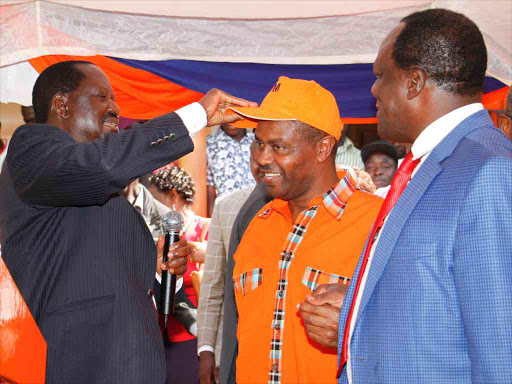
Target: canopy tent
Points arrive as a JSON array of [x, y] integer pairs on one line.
[[242, 48], [161, 55]]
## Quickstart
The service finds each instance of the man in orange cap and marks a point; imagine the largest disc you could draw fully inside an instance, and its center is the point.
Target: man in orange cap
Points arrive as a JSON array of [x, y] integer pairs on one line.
[[312, 233]]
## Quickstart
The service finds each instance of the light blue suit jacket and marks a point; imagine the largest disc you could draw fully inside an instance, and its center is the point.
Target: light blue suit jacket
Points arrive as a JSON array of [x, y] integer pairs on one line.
[[437, 305]]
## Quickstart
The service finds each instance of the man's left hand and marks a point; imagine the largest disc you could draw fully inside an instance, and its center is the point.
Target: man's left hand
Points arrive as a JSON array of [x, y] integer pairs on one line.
[[178, 257], [321, 311]]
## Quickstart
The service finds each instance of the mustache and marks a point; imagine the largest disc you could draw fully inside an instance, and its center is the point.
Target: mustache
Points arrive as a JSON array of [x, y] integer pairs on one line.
[[111, 114], [268, 168]]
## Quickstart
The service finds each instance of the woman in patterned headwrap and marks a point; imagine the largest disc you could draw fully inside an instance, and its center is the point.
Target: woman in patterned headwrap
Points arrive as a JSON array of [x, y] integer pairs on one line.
[[175, 188]]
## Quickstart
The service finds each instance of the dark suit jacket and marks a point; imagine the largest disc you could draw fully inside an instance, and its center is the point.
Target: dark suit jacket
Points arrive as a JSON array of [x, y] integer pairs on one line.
[[80, 254], [227, 370]]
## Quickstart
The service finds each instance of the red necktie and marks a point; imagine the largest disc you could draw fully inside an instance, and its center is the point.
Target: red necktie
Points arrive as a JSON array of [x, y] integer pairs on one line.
[[400, 180]]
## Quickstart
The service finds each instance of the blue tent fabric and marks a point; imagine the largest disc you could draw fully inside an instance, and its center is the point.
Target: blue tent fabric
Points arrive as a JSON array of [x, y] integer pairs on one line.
[[350, 83]]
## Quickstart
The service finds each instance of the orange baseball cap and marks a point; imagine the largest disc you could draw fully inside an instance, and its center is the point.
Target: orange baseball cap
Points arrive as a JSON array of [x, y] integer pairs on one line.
[[300, 100]]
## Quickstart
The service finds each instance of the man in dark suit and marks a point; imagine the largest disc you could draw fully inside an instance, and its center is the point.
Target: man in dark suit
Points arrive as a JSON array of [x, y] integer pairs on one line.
[[227, 369], [80, 254], [430, 301]]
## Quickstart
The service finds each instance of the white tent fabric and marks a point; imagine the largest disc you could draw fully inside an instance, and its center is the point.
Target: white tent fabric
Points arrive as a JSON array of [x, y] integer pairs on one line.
[[244, 9], [16, 83], [280, 32]]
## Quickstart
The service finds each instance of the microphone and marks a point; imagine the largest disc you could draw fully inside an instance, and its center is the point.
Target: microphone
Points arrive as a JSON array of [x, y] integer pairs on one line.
[[172, 223]]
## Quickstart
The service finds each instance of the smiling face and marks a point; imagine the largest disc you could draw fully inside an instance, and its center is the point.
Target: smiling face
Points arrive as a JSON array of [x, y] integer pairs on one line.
[[286, 160], [390, 90], [92, 111]]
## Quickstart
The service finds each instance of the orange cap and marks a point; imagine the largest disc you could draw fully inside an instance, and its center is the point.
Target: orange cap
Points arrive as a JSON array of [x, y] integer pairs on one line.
[[295, 99]]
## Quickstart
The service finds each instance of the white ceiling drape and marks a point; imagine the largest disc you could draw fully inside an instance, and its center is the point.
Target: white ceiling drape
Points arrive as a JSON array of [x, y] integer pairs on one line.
[[279, 32]]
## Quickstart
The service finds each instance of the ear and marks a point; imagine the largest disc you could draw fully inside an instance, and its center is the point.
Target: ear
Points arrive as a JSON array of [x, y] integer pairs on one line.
[[505, 125], [324, 148], [416, 81], [59, 105]]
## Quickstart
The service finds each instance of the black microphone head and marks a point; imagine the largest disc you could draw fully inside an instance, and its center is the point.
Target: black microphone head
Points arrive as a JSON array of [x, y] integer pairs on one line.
[[172, 222]]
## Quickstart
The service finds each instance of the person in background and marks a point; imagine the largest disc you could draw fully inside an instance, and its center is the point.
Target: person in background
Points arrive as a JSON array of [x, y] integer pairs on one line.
[[505, 119], [29, 116], [175, 188], [151, 209], [228, 164], [211, 302], [347, 153], [152, 212], [380, 162]]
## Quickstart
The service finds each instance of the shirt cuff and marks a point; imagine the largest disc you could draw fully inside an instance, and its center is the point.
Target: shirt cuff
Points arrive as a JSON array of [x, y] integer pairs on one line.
[[205, 348], [179, 282], [194, 117], [193, 329]]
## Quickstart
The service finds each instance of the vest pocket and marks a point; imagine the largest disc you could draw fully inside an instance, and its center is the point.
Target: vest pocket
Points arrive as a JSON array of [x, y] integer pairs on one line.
[[312, 278]]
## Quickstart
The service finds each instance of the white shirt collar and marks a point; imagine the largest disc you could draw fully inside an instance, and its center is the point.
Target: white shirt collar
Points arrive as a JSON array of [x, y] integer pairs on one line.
[[439, 129]]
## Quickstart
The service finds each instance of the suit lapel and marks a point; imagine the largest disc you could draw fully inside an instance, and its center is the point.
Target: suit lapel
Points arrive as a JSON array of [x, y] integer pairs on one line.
[[410, 197], [395, 224]]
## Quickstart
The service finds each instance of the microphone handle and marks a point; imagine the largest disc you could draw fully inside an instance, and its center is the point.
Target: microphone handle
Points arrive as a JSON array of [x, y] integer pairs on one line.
[[168, 287]]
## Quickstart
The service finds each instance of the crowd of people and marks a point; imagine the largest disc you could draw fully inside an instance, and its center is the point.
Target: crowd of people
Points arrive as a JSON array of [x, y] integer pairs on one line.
[[318, 262]]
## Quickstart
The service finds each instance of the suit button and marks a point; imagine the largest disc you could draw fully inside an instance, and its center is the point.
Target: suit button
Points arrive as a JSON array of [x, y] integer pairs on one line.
[[281, 293], [277, 327], [159, 141], [166, 138], [153, 143], [149, 292], [275, 367], [172, 136]]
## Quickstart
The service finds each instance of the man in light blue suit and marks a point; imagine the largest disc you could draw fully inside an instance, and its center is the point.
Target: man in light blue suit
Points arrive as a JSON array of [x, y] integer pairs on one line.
[[434, 303]]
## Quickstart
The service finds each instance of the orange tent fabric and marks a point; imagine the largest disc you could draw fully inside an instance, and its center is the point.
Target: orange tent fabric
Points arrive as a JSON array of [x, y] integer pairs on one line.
[[144, 95], [139, 94], [22, 347]]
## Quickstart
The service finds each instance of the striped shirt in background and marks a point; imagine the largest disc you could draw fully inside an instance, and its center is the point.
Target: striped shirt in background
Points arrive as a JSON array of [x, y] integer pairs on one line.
[[348, 154], [210, 312]]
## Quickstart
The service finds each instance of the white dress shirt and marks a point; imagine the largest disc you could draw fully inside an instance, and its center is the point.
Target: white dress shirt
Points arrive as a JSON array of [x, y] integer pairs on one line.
[[424, 144], [194, 117]]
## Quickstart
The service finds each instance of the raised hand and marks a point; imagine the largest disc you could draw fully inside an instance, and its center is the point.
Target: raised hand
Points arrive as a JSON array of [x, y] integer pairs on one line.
[[215, 103]]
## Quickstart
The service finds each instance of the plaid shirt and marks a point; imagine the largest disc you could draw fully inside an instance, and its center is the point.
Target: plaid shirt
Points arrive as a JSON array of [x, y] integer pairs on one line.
[[211, 301], [278, 263]]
